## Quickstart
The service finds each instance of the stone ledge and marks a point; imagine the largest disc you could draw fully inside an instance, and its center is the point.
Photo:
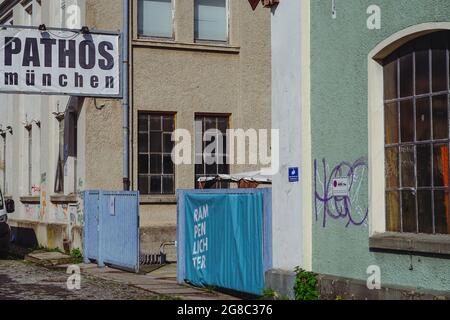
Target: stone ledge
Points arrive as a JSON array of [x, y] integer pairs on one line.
[[411, 243], [63, 198], [198, 46], [332, 287], [30, 200], [163, 199]]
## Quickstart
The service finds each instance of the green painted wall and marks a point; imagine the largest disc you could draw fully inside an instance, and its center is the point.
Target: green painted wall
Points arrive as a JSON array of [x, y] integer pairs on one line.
[[339, 50]]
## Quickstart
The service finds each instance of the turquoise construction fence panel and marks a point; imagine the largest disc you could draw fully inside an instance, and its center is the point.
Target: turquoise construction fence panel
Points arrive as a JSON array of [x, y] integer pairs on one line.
[[111, 233], [224, 238]]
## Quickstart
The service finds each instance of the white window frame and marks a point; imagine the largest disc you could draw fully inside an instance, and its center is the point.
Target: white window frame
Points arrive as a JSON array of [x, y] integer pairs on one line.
[[227, 22], [143, 36], [377, 201]]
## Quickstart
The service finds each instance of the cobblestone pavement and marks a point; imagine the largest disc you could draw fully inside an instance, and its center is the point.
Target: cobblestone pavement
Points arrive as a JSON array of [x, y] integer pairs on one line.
[[20, 280]]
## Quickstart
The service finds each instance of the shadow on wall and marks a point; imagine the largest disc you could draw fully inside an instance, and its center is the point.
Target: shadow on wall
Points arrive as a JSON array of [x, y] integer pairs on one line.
[[24, 237]]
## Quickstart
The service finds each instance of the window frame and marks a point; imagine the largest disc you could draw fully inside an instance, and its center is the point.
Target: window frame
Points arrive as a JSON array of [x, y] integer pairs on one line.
[[149, 114], [152, 37], [375, 105], [227, 23], [217, 116]]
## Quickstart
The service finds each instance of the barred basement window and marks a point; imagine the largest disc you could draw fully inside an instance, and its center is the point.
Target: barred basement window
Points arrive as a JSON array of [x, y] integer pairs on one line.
[[156, 169], [416, 89]]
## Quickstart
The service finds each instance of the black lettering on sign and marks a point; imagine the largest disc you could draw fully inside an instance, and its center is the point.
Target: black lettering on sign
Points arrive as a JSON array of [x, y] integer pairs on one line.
[[108, 62], [48, 48], [67, 53], [63, 80], [31, 53], [87, 59], [12, 46]]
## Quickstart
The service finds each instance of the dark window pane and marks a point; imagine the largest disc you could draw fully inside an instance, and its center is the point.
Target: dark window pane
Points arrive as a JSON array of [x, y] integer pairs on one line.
[[425, 211], [224, 169], [392, 168], [391, 122], [143, 185], [168, 165], [210, 123], [407, 121], [155, 184], [211, 169], [168, 144], [393, 223], [223, 124], [422, 72], [155, 142], [440, 165], [168, 185], [440, 117], [439, 58], [423, 119], [406, 76], [407, 166], [199, 169], [143, 123], [143, 142], [424, 166], [168, 123], [390, 80], [155, 164], [441, 212], [143, 163], [155, 123], [409, 212]]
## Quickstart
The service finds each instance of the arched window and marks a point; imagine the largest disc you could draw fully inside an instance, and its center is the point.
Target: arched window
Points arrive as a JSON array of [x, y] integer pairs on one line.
[[416, 112]]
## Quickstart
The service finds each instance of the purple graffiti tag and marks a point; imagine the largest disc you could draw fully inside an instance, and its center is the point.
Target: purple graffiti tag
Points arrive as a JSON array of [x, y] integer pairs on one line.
[[339, 207]]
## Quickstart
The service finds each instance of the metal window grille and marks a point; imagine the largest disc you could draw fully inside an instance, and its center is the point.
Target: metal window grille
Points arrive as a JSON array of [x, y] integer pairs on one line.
[[156, 169], [416, 83]]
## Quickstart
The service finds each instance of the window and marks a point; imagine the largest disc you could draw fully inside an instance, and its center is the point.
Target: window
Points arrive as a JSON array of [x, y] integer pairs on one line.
[[155, 18], [156, 169], [211, 20], [416, 102], [209, 129]]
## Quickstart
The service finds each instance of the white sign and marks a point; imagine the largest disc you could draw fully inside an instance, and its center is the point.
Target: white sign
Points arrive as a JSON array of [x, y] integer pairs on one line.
[[340, 187], [59, 62]]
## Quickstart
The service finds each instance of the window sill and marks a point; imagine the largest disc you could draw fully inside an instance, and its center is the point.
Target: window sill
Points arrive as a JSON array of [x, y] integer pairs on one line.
[[30, 200], [156, 199], [170, 44], [411, 243], [72, 198]]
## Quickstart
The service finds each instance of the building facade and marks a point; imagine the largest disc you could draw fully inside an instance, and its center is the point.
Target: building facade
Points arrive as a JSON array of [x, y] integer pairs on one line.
[[194, 65], [371, 97]]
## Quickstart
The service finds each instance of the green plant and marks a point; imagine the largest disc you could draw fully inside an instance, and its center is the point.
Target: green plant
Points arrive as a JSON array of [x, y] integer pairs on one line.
[[305, 287], [270, 294], [76, 255]]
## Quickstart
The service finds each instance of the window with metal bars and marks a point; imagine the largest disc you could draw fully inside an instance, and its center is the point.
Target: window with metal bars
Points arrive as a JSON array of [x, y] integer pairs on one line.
[[416, 112], [209, 129], [156, 169]]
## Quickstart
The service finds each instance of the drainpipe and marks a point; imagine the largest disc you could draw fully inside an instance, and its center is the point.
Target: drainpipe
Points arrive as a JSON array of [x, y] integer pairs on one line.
[[125, 92]]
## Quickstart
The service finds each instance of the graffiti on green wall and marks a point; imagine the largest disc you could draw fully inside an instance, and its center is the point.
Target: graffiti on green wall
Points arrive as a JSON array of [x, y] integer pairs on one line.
[[349, 208]]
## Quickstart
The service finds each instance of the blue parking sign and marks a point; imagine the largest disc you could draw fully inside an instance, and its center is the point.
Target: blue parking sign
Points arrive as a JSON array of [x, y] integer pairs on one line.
[[293, 174]]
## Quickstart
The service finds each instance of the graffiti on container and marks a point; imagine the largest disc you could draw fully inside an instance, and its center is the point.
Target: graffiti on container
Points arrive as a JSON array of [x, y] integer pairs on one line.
[[343, 207]]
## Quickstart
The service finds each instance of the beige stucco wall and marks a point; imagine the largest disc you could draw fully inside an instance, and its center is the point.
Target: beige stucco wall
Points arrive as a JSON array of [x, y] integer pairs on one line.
[[182, 77]]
